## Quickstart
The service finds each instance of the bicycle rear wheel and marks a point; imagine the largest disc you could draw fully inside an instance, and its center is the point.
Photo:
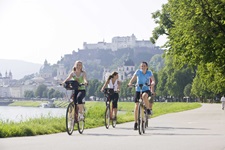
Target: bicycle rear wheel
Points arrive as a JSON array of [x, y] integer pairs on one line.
[[70, 118], [114, 122], [107, 116]]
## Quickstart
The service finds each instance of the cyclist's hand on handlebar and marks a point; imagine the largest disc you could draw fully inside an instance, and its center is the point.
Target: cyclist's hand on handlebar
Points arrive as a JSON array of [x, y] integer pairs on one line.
[[62, 84], [153, 93], [129, 84], [86, 83]]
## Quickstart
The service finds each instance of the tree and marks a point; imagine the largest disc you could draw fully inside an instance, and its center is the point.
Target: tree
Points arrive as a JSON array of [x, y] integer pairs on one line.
[[41, 91], [156, 63], [51, 93], [172, 81], [93, 88], [187, 90], [29, 94], [195, 31]]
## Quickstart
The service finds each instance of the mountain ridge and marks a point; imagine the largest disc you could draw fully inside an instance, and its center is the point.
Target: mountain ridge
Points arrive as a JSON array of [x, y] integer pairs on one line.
[[18, 68]]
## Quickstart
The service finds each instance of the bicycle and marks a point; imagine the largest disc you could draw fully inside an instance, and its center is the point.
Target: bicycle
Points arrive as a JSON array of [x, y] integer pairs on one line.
[[72, 111], [142, 117], [108, 110]]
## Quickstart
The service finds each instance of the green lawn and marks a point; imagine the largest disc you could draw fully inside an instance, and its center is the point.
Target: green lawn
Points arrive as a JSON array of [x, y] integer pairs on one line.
[[94, 118]]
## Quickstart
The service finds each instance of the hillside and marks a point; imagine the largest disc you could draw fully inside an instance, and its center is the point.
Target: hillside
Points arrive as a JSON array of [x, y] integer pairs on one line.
[[18, 68]]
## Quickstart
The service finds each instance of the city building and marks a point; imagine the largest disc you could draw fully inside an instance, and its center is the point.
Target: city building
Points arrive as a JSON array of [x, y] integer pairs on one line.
[[125, 71]]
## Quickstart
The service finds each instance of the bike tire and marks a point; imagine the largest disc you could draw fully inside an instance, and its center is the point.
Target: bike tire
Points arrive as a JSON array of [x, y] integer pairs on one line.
[[143, 122], [70, 118], [114, 122], [107, 116], [80, 125], [139, 119]]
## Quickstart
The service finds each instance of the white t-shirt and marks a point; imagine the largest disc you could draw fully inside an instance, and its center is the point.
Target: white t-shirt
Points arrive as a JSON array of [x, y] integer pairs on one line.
[[222, 99], [113, 86]]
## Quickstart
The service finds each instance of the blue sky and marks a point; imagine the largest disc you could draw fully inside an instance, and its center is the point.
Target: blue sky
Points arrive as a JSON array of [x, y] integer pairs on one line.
[[35, 30]]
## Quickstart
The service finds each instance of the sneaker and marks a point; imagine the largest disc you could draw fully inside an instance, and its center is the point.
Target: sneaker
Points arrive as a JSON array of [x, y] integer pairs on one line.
[[149, 112], [135, 126]]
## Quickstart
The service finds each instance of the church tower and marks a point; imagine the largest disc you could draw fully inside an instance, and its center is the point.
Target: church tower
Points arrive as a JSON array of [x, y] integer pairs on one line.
[[61, 72], [10, 75]]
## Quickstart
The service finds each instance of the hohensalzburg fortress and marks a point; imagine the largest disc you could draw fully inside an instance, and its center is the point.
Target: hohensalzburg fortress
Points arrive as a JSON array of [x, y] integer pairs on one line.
[[120, 43]]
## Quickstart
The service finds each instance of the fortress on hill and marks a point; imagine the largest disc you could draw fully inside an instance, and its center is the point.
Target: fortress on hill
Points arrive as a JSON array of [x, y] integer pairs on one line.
[[120, 43]]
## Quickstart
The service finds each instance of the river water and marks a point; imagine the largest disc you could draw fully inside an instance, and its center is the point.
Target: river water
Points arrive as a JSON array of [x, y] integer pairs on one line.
[[18, 113]]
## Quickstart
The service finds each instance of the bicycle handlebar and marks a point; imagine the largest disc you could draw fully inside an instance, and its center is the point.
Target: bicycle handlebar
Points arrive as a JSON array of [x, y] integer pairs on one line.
[[139, 85], [72, 85]]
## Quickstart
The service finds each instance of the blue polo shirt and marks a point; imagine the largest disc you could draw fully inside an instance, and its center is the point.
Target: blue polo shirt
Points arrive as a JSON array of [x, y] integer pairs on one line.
[[143, 79]]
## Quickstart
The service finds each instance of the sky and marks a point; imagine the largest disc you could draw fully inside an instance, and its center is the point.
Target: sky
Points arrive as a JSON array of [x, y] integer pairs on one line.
[[39, 30]]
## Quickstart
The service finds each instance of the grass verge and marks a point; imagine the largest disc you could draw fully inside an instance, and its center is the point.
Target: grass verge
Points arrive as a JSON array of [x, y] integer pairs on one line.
[[94, 118]]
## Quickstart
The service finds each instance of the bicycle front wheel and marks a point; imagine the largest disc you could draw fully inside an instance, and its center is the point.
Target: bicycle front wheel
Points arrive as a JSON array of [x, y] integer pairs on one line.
[[107, 116], [70, 118], [140, 118]]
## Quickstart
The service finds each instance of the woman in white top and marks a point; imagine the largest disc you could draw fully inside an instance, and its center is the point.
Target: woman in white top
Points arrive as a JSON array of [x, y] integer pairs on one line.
[[114, 84]]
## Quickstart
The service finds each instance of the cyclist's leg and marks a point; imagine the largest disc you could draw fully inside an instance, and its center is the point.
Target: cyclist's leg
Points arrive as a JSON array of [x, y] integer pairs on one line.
[[115, 104], [110, 99], [80, 96], [151, 101], [145, 99]]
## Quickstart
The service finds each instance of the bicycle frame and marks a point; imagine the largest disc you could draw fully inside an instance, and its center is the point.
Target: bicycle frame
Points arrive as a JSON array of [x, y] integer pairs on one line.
[[72, 115], [109, 109], [142, 116]]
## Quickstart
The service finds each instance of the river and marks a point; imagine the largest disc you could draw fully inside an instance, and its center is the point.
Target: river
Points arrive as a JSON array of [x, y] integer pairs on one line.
[[18, 113]]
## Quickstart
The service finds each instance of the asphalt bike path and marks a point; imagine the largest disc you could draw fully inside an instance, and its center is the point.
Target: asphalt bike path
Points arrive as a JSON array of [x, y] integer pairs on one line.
[[198, 129]]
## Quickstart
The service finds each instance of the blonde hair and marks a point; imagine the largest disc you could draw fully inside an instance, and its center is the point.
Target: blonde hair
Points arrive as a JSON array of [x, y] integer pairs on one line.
[[75, 65]]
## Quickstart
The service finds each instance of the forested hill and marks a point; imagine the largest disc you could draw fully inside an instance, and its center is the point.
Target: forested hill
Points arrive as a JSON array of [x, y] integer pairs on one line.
[[96, 60]]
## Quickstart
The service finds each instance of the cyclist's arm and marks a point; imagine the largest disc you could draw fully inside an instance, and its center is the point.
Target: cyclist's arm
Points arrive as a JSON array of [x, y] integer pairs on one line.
[[69, 77], [118, 88], [152, 85], [134, 78], [105, 84]]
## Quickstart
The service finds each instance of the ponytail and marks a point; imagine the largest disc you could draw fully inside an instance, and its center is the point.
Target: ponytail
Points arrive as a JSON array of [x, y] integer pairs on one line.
[[112, 75]]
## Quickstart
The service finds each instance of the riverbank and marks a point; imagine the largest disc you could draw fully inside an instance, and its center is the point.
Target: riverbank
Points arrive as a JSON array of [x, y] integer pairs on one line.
[[94, 118]]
